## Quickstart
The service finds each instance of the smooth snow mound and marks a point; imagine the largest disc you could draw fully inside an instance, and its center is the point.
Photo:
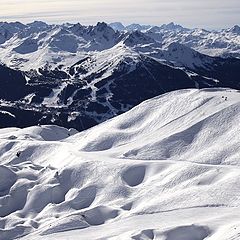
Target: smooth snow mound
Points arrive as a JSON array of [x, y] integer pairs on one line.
[[169, 169], [190, 125]]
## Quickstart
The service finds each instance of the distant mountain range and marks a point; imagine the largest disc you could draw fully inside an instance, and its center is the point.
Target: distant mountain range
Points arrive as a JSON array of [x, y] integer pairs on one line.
[[77, 76]]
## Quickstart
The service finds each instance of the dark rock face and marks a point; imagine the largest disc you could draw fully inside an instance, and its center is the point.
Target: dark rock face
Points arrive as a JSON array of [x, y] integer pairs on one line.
[[12, 84], [82, 103], [225, 70]]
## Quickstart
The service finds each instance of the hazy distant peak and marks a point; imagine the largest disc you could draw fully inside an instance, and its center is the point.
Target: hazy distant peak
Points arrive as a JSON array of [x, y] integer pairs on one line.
[[136, 26], [172, 26], [117, 26], [38, 24], [235, 29]]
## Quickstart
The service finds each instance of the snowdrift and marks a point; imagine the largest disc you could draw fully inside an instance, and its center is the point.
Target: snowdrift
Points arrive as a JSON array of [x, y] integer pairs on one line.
[[167, 169], [197, 126]]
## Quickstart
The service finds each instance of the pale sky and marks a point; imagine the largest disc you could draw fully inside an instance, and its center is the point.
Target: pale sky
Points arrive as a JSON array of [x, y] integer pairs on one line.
[[190, 13]]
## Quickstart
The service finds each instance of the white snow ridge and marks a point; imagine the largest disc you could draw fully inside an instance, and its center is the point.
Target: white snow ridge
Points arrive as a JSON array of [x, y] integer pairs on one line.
[[168, 169]]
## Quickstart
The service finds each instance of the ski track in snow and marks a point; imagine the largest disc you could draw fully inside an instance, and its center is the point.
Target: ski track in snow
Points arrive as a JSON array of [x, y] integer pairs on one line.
[[168, 169]]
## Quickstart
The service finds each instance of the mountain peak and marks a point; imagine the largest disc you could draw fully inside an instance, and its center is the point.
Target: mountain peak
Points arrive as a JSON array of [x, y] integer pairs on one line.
[[76, 28], [117, 26], [37, 24], [137, 37], [12, 25], [101, 26], [137, 27], [235, 29], [172, 26]]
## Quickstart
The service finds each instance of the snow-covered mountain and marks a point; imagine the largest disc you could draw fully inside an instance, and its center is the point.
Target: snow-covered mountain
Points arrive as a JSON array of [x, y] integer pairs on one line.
[[77, 76], [32, 45], [102, 85], [38, 43], [225, 42], [168, 168]]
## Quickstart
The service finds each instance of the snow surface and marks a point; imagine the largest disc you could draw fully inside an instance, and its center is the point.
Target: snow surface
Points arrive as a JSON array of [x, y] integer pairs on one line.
[[168, 169]]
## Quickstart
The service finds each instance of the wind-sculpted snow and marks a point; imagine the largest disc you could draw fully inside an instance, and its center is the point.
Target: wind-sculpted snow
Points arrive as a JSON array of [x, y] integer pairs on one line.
[[167, 169]]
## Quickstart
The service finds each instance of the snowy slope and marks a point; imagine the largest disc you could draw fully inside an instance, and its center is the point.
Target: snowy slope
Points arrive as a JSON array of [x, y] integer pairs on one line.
[[107, 83], [167, 169]]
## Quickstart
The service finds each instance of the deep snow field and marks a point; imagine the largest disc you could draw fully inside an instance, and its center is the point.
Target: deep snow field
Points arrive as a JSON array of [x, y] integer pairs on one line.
[[168, 169]]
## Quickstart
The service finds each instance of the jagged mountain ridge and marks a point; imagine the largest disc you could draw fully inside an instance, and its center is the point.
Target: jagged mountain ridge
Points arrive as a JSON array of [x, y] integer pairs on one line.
[[225, 42], [32, 45]]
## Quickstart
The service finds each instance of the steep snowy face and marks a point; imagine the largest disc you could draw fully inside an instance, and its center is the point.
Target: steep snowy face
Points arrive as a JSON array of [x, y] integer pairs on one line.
[[103, 35], [174, 158], [184, 56]]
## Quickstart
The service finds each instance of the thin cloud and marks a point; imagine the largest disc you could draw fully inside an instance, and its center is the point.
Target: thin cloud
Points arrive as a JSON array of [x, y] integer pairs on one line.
[[190, 13]]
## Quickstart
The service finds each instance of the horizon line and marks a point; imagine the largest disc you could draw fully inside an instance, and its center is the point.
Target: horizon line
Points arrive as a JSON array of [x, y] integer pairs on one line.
[[112, 22]]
